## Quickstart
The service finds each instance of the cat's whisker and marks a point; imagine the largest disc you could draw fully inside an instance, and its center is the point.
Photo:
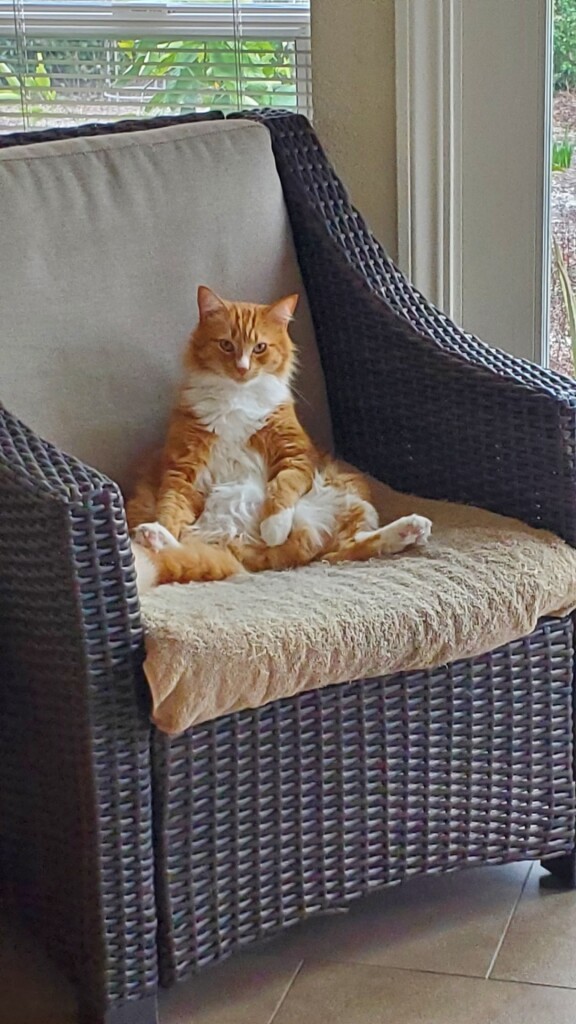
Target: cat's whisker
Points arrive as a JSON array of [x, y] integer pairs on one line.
[[300, 394]]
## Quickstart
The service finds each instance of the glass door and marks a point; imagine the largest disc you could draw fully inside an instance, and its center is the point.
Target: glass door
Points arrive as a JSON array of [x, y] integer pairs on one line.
[[562, 345]]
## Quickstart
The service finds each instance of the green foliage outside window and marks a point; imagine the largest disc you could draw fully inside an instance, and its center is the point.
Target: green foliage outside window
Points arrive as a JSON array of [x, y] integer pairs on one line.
[[564, 44], [202, 73], [177, 75]]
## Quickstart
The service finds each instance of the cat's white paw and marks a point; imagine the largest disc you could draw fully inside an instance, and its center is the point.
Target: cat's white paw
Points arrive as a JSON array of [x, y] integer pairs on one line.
[[146, 571], [154, 536], [276, 529], [413, 530]]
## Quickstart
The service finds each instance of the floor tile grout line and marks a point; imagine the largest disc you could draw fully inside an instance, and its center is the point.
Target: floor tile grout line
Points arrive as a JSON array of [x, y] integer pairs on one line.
[[392, 967], [412, 970], [535, 984], [496, 953], [284, 995]]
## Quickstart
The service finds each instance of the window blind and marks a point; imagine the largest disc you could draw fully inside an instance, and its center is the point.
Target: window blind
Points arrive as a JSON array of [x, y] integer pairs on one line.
[[72, 61]]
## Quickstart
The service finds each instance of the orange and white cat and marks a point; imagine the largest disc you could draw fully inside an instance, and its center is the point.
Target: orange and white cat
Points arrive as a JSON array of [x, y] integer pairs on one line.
[[239, 484]]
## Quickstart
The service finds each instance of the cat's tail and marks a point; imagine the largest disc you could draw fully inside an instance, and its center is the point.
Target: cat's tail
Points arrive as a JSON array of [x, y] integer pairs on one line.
[[194, 561]]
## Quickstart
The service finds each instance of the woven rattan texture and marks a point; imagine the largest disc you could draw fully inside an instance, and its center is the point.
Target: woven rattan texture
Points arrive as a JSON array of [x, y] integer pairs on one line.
[[270, 815], [415, 400], [75, 801]]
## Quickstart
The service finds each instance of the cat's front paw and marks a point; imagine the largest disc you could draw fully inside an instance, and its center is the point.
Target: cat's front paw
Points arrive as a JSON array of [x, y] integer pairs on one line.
[[154, 536], [275, 530]]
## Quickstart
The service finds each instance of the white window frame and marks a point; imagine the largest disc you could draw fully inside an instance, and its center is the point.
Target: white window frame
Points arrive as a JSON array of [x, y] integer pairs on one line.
[[429, 148], [168, 20], [464, 268]]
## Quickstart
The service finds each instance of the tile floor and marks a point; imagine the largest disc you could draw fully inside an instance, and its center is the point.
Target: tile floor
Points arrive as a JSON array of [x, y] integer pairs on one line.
[[488, 946]]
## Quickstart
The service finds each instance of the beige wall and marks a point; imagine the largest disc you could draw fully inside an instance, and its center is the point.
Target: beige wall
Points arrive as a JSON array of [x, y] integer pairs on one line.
[[505, 172], [354, 103]]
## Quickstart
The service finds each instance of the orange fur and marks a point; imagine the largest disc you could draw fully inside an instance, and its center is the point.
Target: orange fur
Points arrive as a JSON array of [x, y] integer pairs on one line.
[[243, 352], [166, 492], [195, 561], [290, 456], [244, 325]]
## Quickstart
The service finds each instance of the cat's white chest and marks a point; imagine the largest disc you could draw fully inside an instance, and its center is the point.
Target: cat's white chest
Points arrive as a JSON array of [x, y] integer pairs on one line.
[[234, 480]]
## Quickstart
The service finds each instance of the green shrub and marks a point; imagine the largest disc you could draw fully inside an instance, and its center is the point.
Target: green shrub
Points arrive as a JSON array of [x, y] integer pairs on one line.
[[14, 86], [195, 73], [562, 154], [564, 44]]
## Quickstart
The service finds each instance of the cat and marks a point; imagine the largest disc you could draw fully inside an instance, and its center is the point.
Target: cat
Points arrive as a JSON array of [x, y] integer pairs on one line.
[[239, 485]]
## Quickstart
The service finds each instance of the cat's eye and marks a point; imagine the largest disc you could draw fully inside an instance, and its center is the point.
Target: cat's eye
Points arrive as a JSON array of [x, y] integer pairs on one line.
[[226, 345], [260, 347]]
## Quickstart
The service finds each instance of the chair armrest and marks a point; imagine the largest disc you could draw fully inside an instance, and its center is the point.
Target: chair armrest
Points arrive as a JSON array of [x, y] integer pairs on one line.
[[415, 400], [75, 782]]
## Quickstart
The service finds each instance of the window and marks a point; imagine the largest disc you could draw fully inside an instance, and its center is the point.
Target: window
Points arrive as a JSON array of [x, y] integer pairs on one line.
[[71, 61], [473, 92]]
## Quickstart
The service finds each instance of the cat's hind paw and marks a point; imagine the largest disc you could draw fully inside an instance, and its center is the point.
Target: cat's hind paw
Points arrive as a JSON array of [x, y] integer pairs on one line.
[[275, 530], [154, 536], [413, 530]]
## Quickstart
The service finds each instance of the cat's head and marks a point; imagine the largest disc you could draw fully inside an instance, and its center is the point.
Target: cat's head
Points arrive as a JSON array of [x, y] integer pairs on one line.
[[242, 340]]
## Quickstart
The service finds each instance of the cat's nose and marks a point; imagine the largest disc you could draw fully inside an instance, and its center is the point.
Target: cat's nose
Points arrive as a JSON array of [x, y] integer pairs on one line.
[[242, 370]]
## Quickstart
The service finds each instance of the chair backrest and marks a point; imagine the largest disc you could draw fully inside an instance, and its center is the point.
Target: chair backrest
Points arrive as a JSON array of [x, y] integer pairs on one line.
[[104, 241]]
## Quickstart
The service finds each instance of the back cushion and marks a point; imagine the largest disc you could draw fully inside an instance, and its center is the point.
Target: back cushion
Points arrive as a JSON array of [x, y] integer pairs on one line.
[[105, 241]]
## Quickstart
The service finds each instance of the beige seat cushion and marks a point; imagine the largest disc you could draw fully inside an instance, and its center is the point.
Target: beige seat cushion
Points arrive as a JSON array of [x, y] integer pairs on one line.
[[483, 581], [104, 242]]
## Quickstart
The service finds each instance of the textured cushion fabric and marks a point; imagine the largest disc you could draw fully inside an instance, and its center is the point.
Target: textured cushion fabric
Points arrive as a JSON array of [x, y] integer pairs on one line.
[[483, 580], [104, 243]]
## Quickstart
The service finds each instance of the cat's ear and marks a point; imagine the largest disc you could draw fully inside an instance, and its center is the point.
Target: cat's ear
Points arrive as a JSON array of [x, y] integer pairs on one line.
[[209, 302], [283, 310]]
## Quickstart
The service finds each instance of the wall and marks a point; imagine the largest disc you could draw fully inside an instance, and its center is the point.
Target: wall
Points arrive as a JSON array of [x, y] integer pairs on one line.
[[355, 103], [505, 172]]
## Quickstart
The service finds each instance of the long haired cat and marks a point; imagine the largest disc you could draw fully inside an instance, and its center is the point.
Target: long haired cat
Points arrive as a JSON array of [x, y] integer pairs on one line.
[[239, 484]]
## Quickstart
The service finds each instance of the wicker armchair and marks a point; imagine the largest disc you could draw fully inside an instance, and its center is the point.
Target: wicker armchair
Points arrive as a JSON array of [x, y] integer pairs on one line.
[[139, 858]]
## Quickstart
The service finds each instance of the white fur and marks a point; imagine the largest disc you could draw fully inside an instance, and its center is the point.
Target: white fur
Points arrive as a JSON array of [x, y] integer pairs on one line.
[[234, 481], [234, 485], [276, 529], [244, 362], [323, 505], [234, 409], [154, 536], [412, 529], [406, 532], [146, 574]]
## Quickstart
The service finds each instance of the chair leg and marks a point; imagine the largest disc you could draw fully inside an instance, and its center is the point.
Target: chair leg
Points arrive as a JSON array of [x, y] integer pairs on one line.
[[563, 869], [140, 1011]]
